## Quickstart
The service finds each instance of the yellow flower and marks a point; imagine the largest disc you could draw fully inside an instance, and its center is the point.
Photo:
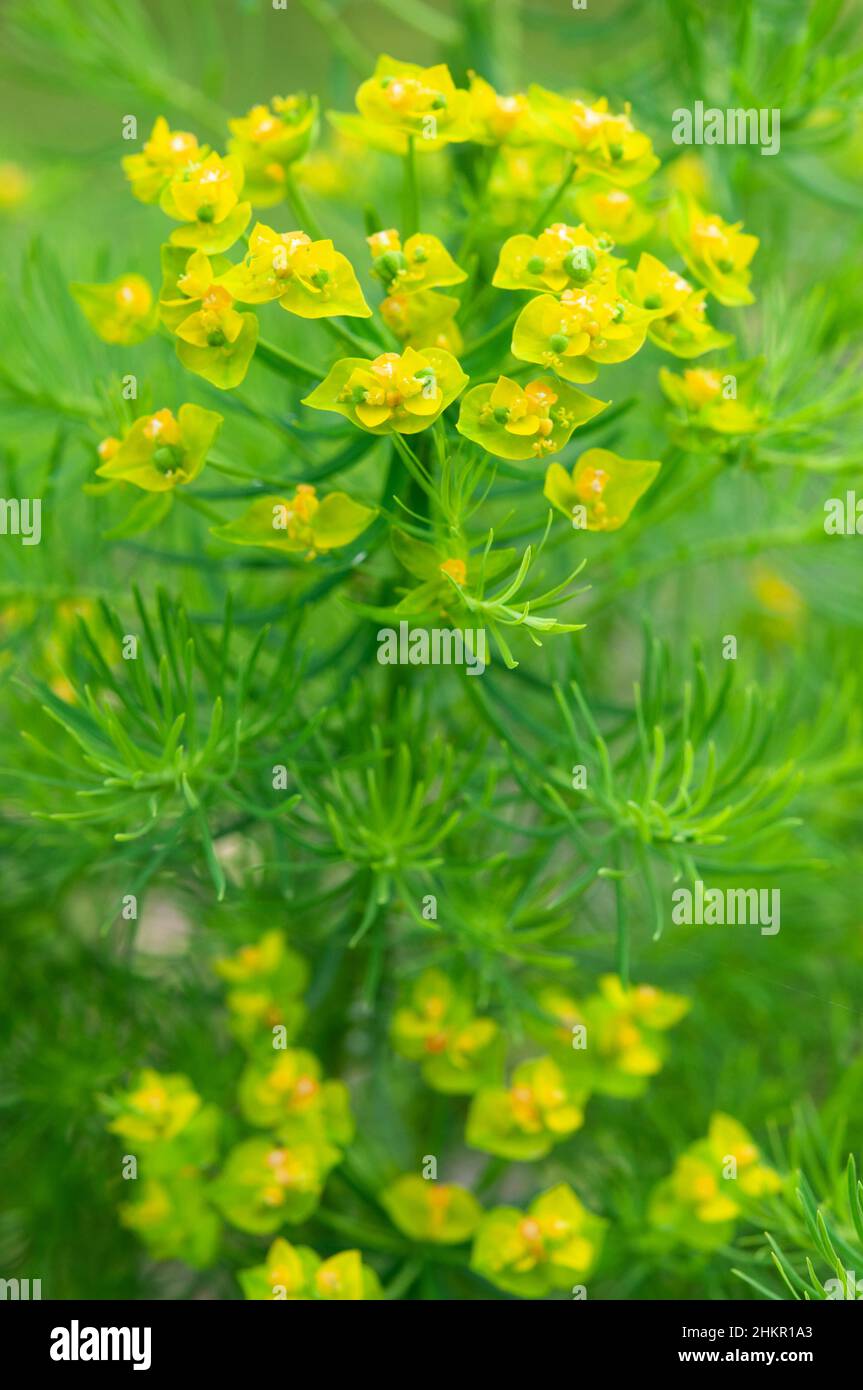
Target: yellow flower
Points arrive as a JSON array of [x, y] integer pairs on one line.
[[718, 253], [542, 1106], [602, 489], [613, 211], [584, 327], [606, 145], [159, 451], [709, 399], [205, 196], [300, 523], [295, 1273], [308, 278], [424, 319], [686, 331], [708, 1188], [123, 311], [427, 1210], [495, 119], [158, 1108], [550, 1246], [404, 101], [15, 185], [516, 422], [422, 264], [559, 259], [403, 393], [165, 153], [268, 140], [436, 1025]]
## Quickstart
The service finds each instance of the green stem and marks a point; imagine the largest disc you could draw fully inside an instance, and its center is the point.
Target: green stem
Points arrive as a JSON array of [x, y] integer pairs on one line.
[[198, 506], [622, 925], [542, 221], [280, 361], [301, 210], [356, 344], [411, 212]]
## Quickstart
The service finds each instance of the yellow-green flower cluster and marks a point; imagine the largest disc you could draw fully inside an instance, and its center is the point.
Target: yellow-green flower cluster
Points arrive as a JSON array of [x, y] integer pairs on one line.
[[412, 275], [436, 1025], [713, 1184], [294, 1273]]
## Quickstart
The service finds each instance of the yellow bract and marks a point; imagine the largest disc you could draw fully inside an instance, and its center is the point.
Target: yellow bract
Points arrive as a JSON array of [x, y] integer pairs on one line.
[[268, 139], [308, 278], [206, 197], [606, 145], [123, 311], [709, 399], [161, 451], [166, 152], [560, 258], [404, 100], [602, 489], [393, 392], [718, 253], [495, 119]]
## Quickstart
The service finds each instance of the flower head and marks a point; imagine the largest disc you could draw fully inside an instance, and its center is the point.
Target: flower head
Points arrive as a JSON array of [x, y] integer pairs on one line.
[[266, 979], [542, 1105], [602, 489], [555, 1242], [607, 145], [423, 263], [560, 258], [161, 451], [718, 253], [584, 327], [308, 278], [155, 1108], [404, 101], [436, 1025], [269, 139], [516, 422], [295, 1273], [427, 1210], [290, 1096], [709, 400], [205, 197], [303, 523], [164, 155], [123, 311], [497, 119], [614, 211], [265, 1183], [403, 392]]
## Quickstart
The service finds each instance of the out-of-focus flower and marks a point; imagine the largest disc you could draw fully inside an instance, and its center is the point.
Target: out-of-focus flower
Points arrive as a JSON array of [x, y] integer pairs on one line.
[[516, 422], [560, 258], [174, 1219], [624, 1043], [436, 1025], [606, 145], [265, 1183], [542, 1106], [391, 393], [302, 523], [164, 155], [521, 177], [159, 452], [708, 398], [205, 197], [294, 1273], [497, 119], [289, 1096], [308, 278], [613, 211], [710, 1186], [269, 139], [602, 489], [424, 319], [550, 1246], [427, 1210], [585, 327], [266, 981], [718, 253], [155, 1108], [123, 311], [423, 263], [404, 101]]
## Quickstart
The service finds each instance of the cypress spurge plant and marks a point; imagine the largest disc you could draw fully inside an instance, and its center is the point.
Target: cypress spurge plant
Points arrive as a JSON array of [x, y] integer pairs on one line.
[[387, 996]]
